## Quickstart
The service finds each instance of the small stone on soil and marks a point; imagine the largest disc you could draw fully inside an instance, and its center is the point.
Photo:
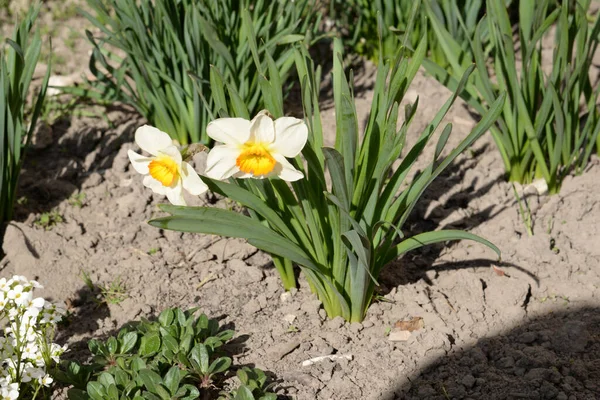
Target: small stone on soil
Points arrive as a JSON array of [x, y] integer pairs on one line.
[[289, 318], [468, 381], [335, 323], [93, 180], [333, 357], [244, 273], [399, 336], [285, 297], [311, 307], [280, 350], [356, 327], [303, 379], [323, 314], [252, 307]]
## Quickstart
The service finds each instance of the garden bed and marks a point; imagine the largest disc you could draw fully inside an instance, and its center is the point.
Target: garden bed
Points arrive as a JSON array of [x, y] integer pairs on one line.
[[527, 326]]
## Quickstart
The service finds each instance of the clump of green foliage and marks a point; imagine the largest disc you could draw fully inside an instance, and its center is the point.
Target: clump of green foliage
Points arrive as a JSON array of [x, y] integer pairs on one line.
[[49, 220], [341, 234], [148, 52], [77, 199], [550, 123], [179, 356], [358, 21], [18, 59], [113, 293]]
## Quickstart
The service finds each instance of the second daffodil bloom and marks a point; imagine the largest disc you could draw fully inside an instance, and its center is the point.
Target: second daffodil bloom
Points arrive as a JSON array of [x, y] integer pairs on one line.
[[257, 148], [164, 172]]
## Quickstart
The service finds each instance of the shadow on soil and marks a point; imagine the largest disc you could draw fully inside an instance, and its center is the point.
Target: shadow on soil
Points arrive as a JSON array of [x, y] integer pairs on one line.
[[427, 218], [430, 215], [556, 356], [72, 148]]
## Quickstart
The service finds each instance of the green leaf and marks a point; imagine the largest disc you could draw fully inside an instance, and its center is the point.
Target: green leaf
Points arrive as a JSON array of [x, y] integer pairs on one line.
[[173, 379], [244, 393], [150, 344], [137, 364], [170, 343], [151, 396], [247, 199], [251, 38], [128, 342], [200, 358], [181, 317], [291, 39], [96, 391], [113, 392], [442, 141], [95, 347], [218, 89], [427, 238], [163, 393], [335, 164], [113, 345], [150, 379], [186, 343], [231, 224], [121, 378], [77, 394], [187, 392], [106, 379], [166, 317], [220, 365]]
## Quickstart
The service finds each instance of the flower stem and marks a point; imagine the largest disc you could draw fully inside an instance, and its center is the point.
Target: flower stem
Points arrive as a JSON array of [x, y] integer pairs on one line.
[[286, 271]]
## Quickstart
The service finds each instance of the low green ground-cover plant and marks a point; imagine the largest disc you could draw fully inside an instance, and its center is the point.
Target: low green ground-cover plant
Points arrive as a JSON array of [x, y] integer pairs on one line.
[[114, 292], [550, 123], [49, 220], [179, 356], [341, 234], [28, 356], [18, 58], [148, 49]]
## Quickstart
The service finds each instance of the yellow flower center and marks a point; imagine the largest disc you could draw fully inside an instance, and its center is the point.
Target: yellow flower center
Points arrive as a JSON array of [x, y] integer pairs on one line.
[[164, 169], [255, 159]]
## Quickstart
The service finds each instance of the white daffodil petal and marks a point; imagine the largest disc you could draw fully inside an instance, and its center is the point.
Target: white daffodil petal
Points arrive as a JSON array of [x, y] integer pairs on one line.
[[245, 175], [284, 170], [155, 185], [290, 136], [139, 162], [175, 195], [262, 129], [233, 131], [191, 181], [221, 162], [151, 139], [172, 152]]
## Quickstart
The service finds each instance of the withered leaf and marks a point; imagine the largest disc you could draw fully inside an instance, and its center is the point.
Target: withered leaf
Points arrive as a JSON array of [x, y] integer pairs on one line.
[[411, 325], [498, 271]]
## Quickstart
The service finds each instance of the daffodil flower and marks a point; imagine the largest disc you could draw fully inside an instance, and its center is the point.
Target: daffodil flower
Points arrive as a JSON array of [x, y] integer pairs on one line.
[[257, 148], [164, 172]]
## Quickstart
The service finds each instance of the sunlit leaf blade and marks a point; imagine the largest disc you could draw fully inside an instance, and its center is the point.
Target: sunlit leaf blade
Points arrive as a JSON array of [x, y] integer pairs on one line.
[[227, 223], [428, 238], [18, 61]]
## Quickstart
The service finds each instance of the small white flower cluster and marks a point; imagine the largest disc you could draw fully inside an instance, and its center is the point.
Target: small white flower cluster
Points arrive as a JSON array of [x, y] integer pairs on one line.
[[27, 326]]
